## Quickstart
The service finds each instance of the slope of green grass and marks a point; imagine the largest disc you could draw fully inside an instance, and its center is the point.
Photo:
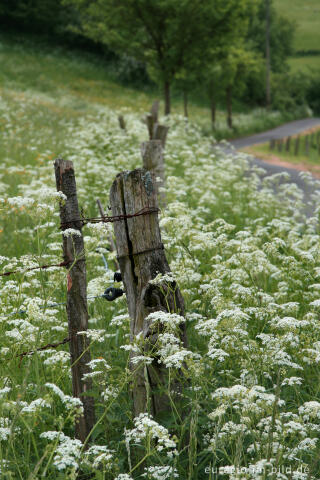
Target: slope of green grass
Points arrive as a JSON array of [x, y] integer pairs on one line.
[[304, 64], [306, 15], [67, 84]]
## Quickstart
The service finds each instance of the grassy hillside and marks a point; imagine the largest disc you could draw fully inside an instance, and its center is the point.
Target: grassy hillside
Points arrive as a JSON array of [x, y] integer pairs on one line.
[[306, 16], [72, 84]]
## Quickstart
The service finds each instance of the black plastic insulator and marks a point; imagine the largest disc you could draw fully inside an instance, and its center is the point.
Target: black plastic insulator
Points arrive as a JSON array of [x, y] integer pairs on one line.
[[112, 293], [117, 277]]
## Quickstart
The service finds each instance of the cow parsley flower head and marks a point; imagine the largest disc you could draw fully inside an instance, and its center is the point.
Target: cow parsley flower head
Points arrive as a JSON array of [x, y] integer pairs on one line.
[[98, 455], [163, 279], [160, 472], [71, 232], [71, 403], [67, 452], [171, 320], [145, 428]]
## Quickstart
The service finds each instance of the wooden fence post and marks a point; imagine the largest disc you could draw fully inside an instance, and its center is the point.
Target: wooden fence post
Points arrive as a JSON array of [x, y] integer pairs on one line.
[[155, 130], [272, 144], [141, 257], [307, 145], [160, 132], [297, 145], [77, 311], [152, 156], [288, 144], [280, 144], [122, 123]]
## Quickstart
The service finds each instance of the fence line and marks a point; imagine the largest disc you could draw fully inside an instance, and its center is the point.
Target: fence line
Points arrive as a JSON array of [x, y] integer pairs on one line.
[[41, 267]]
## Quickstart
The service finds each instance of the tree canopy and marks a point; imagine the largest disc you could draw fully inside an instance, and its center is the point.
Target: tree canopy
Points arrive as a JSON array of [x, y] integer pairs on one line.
[[165, 34]]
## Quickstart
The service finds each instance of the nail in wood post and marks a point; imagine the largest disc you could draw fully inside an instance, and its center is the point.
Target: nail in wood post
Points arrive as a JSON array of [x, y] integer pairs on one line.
[[152, 156], [141, 258], [77, 311], [296, 148]]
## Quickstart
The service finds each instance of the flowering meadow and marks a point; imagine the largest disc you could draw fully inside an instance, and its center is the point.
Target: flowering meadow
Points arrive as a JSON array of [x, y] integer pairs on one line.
[[247, 260]]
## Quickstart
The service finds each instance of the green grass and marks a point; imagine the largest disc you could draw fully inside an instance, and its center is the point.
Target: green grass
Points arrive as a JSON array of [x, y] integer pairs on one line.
[[66, 84], [306, 15], [304, 64]]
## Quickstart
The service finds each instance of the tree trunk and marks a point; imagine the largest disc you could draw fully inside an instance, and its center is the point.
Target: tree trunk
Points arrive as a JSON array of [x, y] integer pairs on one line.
[[167, 101], [185, 104], [268, 67], [213, 111], [229, 105]]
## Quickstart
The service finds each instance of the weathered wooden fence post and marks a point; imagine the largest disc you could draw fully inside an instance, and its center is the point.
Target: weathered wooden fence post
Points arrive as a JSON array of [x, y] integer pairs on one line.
[[307, 145], [297, 145], [152, 156], [141, 257], [272, 144], [160, 132], [280, 144], [288, 144], [77, 311], [156, 131], [122, 123]]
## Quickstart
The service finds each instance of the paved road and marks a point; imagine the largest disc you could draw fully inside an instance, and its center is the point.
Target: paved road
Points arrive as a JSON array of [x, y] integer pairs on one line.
[[291, 128]]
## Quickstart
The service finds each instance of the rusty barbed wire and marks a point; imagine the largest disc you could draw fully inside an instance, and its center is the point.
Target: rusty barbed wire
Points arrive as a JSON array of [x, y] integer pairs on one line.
[[83, 220], [41, 267], [109, 219], [39, 349]]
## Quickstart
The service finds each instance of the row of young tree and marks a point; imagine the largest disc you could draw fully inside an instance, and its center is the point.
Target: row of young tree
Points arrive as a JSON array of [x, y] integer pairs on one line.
[[221, 46], [217, 44]]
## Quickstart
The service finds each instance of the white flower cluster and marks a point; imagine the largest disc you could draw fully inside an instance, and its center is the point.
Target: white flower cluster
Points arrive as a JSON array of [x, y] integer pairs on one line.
[[71, 403], [145, 428], [67, 452]]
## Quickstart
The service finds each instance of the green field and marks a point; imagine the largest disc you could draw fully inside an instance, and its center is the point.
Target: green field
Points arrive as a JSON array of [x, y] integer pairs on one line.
[[306, 16], [305, 64], [78, 83]]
